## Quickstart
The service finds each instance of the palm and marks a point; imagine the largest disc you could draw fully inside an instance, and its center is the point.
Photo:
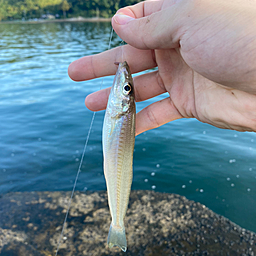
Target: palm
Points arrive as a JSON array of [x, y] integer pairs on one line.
[[195, 96]]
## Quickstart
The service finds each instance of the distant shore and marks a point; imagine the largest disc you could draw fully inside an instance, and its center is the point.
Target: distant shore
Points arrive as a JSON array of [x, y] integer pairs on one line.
[[78, 19]]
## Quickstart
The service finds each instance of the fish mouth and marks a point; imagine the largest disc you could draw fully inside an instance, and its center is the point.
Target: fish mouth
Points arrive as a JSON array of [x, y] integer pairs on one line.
[[123, 69], [121, 64]]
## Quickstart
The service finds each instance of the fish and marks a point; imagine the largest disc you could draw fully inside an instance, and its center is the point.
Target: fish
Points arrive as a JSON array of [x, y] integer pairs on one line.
[[118, 138]]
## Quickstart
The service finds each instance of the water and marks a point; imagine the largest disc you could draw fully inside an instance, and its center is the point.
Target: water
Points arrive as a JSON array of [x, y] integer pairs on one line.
[[44, 123]]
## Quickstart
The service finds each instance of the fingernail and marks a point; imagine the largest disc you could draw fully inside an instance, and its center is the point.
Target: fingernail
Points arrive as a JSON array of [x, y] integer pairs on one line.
[[122, 19]]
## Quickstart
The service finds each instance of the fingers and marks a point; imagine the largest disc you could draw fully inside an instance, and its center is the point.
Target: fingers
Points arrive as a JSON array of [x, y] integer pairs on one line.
[[152, 24], [98, 100], [102, 64], [155, 115], [141, 9], [146, 86]]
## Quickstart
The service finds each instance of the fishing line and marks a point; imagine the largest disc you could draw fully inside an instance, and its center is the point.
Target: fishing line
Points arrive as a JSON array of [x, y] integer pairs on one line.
[[122, 44], [80, 165]]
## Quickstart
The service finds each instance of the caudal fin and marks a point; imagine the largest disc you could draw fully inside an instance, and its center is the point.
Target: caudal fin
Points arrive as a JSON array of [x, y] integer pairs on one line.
[[116, 236]]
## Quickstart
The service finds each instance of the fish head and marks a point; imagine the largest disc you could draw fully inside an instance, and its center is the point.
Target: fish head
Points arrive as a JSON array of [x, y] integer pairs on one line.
[[122, 91]]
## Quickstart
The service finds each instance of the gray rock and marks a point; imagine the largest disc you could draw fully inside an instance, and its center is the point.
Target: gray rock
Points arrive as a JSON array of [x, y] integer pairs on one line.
[[156, 224]]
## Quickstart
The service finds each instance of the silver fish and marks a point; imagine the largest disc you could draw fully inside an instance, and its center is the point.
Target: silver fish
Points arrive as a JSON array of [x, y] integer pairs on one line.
[[118, 145]]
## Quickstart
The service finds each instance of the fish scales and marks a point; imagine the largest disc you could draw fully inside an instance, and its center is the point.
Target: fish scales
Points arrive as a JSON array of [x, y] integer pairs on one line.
[[118, 145]]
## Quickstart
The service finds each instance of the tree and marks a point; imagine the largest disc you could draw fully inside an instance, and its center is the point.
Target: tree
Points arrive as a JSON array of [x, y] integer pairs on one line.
[[18, 9], [65, 6]]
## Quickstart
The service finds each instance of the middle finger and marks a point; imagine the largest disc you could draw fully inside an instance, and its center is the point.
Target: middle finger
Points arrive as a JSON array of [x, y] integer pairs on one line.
[[146, 86]]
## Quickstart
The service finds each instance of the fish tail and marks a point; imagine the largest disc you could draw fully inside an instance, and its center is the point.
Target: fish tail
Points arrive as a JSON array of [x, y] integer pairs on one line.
[[116, 236]]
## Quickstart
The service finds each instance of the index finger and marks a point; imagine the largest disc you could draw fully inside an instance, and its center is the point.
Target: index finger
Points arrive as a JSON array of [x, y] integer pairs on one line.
[[102, 64]]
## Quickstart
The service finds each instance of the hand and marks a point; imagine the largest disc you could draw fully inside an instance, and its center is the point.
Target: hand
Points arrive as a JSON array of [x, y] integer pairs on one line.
[[205, 52]]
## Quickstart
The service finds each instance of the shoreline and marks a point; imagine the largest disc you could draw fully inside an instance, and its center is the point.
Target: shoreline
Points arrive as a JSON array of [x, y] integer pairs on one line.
[[78, 19], [156, 224]]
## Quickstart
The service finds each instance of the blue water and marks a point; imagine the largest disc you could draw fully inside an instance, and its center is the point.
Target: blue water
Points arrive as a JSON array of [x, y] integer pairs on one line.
[[44, 123]]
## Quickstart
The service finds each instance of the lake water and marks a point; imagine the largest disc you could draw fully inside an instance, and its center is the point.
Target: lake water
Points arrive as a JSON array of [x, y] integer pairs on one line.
[[44, 124]]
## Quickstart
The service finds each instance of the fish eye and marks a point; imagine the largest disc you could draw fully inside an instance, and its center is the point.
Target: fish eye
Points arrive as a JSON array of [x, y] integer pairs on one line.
[[127, 88]]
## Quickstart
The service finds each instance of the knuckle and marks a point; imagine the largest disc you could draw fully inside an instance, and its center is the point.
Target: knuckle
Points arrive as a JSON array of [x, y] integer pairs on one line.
[[152, 118]]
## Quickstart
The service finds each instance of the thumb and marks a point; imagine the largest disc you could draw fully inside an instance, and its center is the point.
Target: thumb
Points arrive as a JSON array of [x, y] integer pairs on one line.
[[149, 25]]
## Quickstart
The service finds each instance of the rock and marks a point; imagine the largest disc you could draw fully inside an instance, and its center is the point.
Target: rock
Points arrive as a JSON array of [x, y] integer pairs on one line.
[[156, 224]]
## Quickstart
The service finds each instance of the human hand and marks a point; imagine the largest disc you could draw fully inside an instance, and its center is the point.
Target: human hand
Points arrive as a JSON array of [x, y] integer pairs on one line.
[[205, 52]]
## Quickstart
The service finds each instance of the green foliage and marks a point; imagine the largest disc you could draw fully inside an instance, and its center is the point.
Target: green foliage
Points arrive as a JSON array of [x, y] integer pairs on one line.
[[65, 6], [28, 9]]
